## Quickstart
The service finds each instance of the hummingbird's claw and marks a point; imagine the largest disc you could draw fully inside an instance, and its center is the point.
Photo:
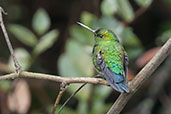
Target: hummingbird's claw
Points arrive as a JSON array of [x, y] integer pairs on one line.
[[99, 76], [18, 70]]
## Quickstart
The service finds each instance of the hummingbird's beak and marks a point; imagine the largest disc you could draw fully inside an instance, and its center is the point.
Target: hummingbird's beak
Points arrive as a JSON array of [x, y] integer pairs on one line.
[[86, 27]]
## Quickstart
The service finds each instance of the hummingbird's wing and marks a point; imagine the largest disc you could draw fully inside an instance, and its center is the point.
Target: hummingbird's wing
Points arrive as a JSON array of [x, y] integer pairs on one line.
[[125, 64], [117, 81]]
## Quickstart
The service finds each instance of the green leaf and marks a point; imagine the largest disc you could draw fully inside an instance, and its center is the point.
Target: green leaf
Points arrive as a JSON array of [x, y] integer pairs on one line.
[[163, 37], [125, 10], [41, 21], [132, 44], [46, 42], [80, 58], [23, 34], [5, 85], [76, 61], [87, 18], [109, 7], [82, 35], [66, 67], [130, 38], [99, 95], [144, 3], [23, 58]]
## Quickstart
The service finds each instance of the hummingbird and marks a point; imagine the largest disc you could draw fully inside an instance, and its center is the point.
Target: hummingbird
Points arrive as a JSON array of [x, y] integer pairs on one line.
[[109, 58]]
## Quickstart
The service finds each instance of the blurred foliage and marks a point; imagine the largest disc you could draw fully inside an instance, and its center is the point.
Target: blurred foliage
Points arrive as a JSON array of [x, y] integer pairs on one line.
[[144, 3], [23, 34], [109, 7], [5, 85], [164, 32], [39, 40], [122, 7], [76, 61], [41, 23]]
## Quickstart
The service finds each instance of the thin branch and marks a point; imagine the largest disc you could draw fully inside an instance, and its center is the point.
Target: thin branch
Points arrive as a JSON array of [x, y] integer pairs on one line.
[[70, 98], [62, 89], [60, 79], [16, 64], [57, 100], [141, 77]]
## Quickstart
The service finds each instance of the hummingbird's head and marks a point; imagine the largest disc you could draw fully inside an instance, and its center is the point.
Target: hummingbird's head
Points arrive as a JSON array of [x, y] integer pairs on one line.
[[101, 34], [104, 35]]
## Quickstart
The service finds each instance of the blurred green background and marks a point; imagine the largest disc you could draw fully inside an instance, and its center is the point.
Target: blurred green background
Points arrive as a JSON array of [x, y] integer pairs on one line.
[[47, 39]]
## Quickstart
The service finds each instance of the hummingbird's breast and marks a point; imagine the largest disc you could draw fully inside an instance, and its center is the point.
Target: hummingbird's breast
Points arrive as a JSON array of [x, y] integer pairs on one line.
[[112, 54]]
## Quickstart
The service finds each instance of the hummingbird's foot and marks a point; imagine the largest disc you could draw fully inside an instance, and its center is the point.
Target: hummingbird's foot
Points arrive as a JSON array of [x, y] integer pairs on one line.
[[18, 70], [99, 76]]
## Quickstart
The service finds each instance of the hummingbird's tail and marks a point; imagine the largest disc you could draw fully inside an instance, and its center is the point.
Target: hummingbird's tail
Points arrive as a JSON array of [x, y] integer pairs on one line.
[[122, 87], [116, 81], [118, 84]]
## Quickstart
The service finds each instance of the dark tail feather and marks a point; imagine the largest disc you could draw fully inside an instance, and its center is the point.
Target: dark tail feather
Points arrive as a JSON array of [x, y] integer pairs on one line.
[[120, 87], [123, 87], [117, 81]]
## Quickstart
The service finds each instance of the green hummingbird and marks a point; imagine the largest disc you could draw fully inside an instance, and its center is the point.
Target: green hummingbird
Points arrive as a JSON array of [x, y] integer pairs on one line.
[[109, 58]]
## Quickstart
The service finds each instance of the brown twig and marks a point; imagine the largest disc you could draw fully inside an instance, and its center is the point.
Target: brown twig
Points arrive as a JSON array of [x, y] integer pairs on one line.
[[68, 99], [141, 77], [16, 64], [62, 89], [67, 80]]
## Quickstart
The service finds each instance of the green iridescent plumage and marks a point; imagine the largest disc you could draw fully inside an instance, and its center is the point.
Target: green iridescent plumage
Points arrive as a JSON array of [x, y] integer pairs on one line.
[[110, 59], [112, 51]]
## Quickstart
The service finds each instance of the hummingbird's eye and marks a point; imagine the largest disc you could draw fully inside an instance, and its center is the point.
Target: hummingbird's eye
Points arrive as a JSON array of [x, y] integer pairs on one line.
[[100, 35]]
